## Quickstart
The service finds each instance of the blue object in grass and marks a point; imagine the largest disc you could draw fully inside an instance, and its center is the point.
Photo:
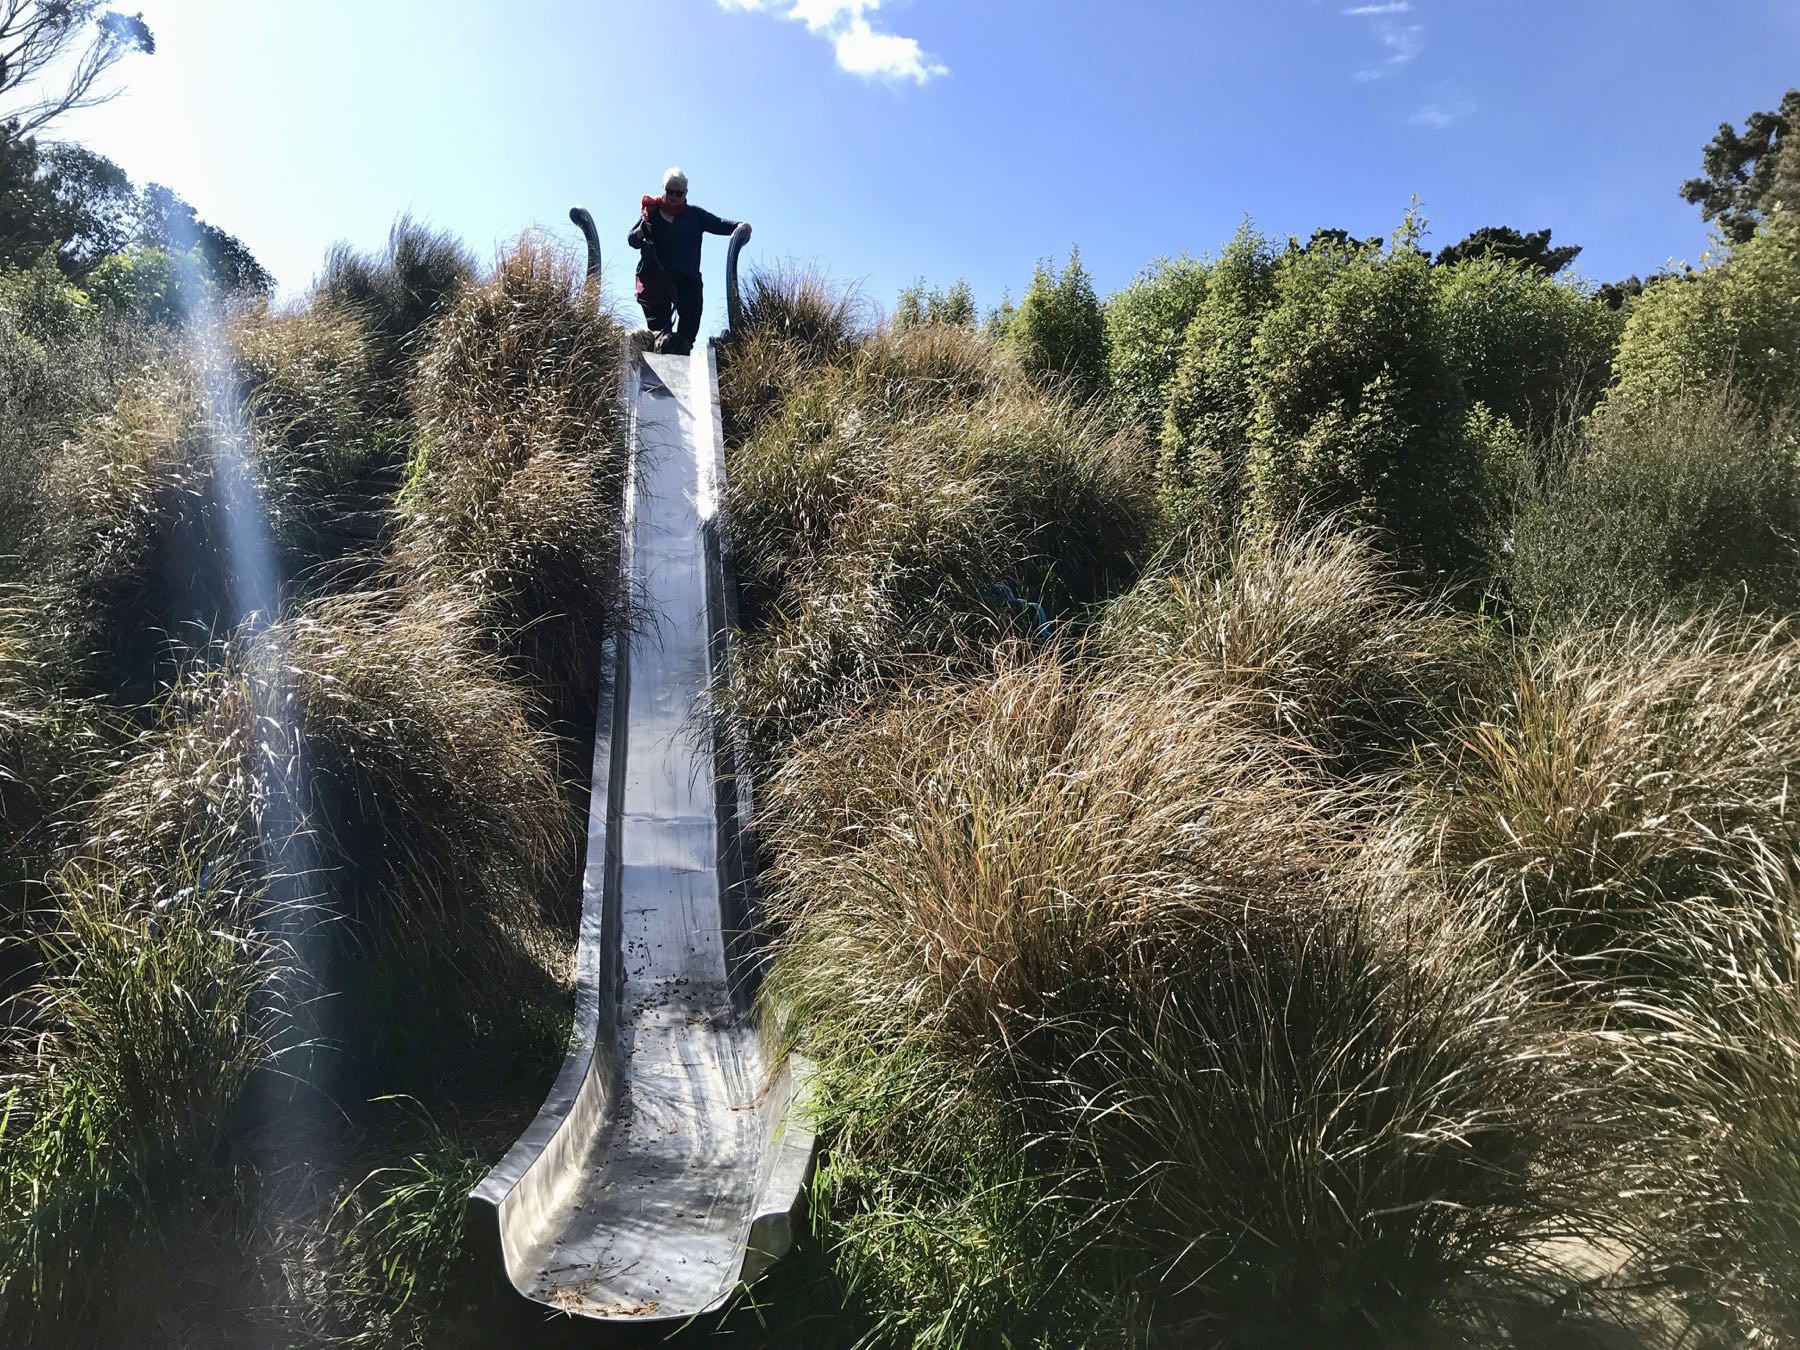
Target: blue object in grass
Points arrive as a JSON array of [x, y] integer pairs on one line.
[[1040, 621]]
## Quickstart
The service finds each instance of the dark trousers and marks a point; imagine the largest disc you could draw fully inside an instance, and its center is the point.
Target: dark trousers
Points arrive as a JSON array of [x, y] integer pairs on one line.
[[688, 302]]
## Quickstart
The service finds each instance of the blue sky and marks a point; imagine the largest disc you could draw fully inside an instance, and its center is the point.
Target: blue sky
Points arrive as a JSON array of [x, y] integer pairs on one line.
[[888, 139]]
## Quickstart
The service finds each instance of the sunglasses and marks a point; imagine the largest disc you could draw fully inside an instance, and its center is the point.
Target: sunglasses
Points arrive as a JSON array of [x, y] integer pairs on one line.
[[674, 192]]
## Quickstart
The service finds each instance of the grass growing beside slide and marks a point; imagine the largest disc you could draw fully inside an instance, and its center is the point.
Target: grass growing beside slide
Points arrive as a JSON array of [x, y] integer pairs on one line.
[[1271, 952], [272, 875]]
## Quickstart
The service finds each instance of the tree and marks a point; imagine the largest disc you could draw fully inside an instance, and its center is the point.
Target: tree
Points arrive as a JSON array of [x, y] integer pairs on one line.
[[41, 36], [1336, 239], [1507, 244], [86, 208], [1059, 331], [168, 223], [1749, 174]]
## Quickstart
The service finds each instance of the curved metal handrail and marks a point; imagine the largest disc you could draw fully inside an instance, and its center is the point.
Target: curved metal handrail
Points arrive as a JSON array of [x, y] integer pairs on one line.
[[734, 307], [584, 221]]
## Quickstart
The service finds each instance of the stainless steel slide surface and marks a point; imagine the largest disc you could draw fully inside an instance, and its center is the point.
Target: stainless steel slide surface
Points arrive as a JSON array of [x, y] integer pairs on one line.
[[665, 1168]]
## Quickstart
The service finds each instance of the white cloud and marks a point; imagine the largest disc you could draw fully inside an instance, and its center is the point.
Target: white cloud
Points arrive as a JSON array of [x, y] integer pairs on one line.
[[1402, 42], [863, 51], [860, 47], [1446, 110]]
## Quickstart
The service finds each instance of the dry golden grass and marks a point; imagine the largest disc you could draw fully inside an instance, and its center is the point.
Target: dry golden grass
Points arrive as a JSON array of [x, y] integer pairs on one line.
[[1126, 1021]]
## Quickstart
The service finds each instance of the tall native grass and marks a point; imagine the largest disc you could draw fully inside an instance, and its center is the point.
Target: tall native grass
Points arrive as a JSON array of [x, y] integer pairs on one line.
[[513, 492], [795, 322], [301, 862], [914, 502], [396, 293], [1627, 777], [1313, 626], [1717, 1083], [1125, 1023]]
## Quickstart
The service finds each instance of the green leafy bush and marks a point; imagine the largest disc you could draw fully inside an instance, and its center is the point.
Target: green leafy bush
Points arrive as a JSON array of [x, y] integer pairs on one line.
[[1359, 408], [1145, 325], [1206, 426], [918, 305], [1529, 348], [1735, 321], [1058, 331], [40, 303], [151, 284]]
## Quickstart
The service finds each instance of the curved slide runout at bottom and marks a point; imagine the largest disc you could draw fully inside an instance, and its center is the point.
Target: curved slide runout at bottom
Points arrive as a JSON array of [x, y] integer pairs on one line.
[[666, 1167]]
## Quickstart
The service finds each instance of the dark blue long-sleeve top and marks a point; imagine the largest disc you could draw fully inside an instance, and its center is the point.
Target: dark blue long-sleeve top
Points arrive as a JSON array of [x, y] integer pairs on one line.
[[677, 242]]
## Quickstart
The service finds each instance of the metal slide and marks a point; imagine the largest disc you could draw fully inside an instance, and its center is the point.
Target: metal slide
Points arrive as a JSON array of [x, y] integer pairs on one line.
[[665, 1168]]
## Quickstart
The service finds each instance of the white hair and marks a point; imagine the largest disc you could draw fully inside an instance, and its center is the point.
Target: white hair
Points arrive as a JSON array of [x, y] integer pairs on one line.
[[674, 178]]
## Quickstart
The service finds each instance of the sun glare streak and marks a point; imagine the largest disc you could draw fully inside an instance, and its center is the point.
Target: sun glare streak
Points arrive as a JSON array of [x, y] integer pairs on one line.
[[291, 1117]]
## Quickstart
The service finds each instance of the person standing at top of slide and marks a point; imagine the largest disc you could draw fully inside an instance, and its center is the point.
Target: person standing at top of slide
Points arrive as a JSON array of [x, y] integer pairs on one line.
[[668, 235]]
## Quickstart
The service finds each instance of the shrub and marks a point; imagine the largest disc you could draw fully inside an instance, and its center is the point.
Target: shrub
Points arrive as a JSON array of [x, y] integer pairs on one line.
[[1124, 1023], [1735, 321], [1695, 504], [1206, 426], [1145, 324], [1529, 348], [41, 303], [1058, 333], [311, 382], [151, 285], [48, 743], [1359, 409], [918, 305]]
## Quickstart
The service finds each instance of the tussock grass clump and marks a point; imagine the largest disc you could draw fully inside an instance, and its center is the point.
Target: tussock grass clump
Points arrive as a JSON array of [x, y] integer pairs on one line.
[[141, 544], [513, 494], [396, 293], [429, 817], [916, 505], [50, 383], [142, 566], [52, 748], [404, 1268], [1631, 776], [1315, 628], [1718, 1082], [795, 323], [150, 1015], [1125, 1023]]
